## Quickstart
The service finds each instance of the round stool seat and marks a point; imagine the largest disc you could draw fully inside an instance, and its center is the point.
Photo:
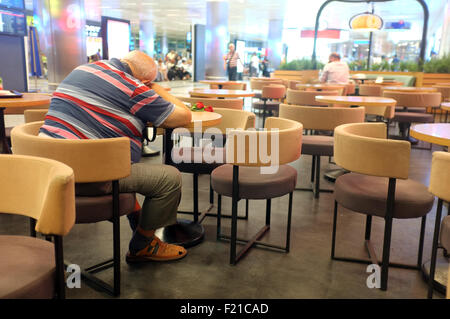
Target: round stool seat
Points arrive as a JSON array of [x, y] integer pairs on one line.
[[445, 233], [196, 160], [410, 109], [270, 105], [253, 184], [317, 145], [28, 268], [413, 117], [368, 195]]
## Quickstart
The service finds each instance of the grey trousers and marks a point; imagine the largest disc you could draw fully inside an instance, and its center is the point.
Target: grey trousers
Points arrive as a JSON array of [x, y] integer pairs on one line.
[[161, 186]]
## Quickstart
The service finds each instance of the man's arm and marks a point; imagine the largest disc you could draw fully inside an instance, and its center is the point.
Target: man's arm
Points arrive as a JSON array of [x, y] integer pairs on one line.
[[181, 116], [324, 76]]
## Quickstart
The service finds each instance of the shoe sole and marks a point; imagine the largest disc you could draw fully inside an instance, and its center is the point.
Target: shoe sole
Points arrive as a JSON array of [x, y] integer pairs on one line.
[[141, 259]]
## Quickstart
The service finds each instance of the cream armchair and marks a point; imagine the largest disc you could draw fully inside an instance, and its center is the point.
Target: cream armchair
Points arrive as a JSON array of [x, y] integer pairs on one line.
[[43, 190], [378, 166]]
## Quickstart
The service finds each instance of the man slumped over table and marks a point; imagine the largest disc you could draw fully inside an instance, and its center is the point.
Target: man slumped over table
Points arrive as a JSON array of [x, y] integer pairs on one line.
[[116, 98]]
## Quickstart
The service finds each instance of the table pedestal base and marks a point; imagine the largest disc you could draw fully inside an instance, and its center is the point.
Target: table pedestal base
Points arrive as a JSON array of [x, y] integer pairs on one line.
[[184, 233], [440, 276]]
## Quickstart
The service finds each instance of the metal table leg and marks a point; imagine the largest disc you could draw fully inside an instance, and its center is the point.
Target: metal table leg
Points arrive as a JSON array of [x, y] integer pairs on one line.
[[184, 233]]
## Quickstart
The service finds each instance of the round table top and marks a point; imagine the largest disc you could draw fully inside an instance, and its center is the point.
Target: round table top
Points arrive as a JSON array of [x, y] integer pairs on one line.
[[27, 100], [435, 133], [220, 93], [357, 100], [206, 119], [320, 86], [410, 89], [445, 106]]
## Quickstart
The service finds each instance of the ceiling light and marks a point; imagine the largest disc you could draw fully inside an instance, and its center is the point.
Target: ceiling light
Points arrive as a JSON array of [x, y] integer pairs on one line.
[[366, 21]]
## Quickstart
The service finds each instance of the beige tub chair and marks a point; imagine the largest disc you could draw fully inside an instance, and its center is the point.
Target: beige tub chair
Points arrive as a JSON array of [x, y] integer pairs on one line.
[[378, 185], [440, 187], [370, 90], [243, 178], [321, 119], [307, 98], [43, 190]]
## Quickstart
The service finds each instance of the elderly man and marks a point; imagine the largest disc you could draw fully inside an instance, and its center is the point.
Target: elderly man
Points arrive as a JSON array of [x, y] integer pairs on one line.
[[231, 59], [335, 71], [116, 98]]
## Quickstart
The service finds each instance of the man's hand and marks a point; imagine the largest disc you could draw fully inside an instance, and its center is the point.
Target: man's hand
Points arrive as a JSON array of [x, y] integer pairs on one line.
[[181, 116]]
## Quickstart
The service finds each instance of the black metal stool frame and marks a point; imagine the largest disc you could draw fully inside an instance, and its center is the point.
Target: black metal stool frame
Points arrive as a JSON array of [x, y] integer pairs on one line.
[[385, 263], [254, 241]]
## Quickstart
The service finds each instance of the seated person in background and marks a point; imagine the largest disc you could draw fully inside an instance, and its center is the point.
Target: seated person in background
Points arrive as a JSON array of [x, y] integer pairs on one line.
[[186, 69], [162, 71], [116, 98], [335, 71]]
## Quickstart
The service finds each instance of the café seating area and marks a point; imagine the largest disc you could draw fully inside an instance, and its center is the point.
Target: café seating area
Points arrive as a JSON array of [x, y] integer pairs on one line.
[[259, 228]]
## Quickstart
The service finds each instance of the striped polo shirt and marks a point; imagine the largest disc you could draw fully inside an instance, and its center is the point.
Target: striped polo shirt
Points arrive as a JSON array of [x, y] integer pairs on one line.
[[103, 100], [232, 58]]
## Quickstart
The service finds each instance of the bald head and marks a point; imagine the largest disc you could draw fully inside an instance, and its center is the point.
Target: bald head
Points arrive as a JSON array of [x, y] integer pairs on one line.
[[142, 66]]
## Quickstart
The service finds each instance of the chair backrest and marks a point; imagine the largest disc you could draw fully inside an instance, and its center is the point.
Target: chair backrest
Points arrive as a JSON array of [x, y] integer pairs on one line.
[[34, 115], [321, 118], [234, 86], [39, 188], [445, 92], [292, 84], [273, 91], [388, 112], [440, 175], [363, 148], [350, 88], [92, 160], [256, 84], [236, 104], [370, 90], [415, 99], [280, 143], [299, 97], [341, 89], [236, 119]]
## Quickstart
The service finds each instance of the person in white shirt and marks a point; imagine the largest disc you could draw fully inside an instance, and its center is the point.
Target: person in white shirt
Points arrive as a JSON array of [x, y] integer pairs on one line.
[[335, 71], [254, 65]]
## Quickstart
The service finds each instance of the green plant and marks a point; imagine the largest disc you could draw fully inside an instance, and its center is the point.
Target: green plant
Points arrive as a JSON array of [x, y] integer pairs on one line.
[[437, 65], [408, 66], [303, 64]]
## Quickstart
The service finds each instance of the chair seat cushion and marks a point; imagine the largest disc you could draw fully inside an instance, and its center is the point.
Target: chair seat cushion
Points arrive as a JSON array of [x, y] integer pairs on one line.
[[270, 105], [368, 194], [198, 159], [317, 145], [93, 209], [410, 109], [27, 268], [445, 233], [413, 117], [253, 184]]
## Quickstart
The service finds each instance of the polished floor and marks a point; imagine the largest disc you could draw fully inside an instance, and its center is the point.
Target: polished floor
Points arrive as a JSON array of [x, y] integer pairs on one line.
[[306, 272]]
